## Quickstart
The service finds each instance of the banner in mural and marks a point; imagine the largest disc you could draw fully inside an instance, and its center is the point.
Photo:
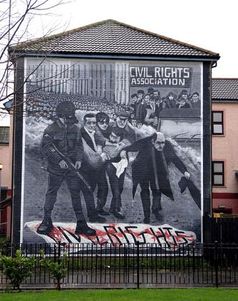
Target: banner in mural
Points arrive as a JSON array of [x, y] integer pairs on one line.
[[112, 152]]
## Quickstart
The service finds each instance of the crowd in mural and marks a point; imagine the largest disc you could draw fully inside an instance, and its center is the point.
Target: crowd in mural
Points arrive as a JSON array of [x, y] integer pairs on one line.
[[43, 104], [144, 106]]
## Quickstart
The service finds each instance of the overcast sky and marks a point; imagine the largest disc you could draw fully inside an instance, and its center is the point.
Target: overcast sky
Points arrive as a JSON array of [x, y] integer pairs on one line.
[[209, 24]]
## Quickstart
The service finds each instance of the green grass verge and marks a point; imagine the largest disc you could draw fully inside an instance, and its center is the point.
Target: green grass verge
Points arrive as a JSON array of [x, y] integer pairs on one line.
[[196, 294]]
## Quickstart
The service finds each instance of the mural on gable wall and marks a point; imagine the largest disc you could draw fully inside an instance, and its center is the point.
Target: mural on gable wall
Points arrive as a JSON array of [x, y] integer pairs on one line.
[[112, 152]]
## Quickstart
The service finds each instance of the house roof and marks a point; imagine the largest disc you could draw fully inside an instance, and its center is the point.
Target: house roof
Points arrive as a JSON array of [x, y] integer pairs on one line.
[[112, 37], [225, 89]]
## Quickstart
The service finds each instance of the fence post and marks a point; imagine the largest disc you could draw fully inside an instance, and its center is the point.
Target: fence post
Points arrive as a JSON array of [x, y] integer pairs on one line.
[[138, 264], [193, 258], [59, 252], [216, 262]]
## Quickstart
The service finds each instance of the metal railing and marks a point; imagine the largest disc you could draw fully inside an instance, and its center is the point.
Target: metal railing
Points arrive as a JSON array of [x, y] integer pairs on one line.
[[131, 265]]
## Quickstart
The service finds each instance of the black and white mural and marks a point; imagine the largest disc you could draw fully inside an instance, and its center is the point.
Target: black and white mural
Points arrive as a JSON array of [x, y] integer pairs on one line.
[[112, 152]]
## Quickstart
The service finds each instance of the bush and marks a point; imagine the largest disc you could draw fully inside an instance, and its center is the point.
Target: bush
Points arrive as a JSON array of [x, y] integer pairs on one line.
[[17, 268], [4, 245], [57, 269]]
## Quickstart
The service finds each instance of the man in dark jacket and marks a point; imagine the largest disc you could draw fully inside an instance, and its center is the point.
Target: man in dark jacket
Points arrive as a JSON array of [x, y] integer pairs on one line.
[[150, 171], [93, 164], [62, 147], [140, 107], [123, 126]]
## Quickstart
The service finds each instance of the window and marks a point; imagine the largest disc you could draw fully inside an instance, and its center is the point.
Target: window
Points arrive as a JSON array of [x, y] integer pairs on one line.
[[218, 173], [217, 123], [4, 135]]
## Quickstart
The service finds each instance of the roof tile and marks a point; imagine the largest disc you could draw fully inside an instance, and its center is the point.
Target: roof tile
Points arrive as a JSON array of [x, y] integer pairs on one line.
[[112, 37], [225, 89]]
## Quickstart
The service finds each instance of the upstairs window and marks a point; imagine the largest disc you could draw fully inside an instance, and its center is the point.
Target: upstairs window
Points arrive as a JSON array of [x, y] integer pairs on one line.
[[217, 123], [218, 173], [4, 135]]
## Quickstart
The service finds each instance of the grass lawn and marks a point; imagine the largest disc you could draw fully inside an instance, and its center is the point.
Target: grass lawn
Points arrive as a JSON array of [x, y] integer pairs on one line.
[[195, 294]]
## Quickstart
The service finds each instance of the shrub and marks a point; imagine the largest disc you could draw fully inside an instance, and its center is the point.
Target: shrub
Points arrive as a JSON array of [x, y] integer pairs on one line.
[[17, 268], [57, 269], [4, 245]]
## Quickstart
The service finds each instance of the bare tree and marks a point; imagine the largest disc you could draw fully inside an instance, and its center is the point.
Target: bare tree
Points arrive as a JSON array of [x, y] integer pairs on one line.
[[16, 16]]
